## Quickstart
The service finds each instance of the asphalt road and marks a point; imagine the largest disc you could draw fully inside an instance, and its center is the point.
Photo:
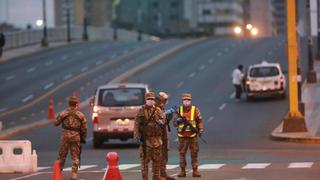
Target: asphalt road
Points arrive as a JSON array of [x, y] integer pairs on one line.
[[237, 132]]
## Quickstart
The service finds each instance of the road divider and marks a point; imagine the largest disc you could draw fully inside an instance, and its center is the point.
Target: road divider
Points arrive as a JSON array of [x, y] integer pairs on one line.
[[16, 157]]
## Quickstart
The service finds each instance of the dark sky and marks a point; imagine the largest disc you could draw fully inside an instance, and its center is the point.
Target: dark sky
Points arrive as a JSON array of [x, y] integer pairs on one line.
[[23, 12]]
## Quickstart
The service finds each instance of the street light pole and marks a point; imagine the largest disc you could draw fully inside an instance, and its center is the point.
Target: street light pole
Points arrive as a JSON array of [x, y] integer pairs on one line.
[[68, 22], [311, 74], [44, 41], [85, 36], [294, 121], [139, 18]]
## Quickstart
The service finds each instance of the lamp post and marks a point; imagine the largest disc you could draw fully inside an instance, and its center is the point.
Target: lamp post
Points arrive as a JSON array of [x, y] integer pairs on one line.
[[115, 19], [44, 41], [139, 20], [85, 36], [68, 22], [311, 74]]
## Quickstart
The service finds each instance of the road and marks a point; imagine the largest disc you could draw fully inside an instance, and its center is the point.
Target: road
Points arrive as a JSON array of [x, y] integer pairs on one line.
[[238, 146]]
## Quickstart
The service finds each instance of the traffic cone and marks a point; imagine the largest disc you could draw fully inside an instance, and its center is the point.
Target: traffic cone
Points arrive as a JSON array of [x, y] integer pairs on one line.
[[50, 109], [57, 175], [112, 172]]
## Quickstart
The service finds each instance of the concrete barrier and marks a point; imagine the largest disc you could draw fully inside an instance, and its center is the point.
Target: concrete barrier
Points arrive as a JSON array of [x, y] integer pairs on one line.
[[16, 156]]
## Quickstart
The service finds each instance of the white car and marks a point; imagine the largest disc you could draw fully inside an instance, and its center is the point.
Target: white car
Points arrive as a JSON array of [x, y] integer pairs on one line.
[[265, 79]]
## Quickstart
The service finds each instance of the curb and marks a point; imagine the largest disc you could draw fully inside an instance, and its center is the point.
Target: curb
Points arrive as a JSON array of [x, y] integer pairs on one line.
[[24, 128], [303, 137]]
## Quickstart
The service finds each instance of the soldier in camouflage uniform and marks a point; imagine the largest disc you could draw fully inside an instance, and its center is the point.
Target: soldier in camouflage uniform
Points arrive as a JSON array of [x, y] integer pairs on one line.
[[161, 101], [188, 138], [74, 133], [148, 130]]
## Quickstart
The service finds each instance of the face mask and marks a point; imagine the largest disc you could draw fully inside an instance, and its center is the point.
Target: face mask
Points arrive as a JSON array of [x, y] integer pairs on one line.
[[150, 102], [186, 102]]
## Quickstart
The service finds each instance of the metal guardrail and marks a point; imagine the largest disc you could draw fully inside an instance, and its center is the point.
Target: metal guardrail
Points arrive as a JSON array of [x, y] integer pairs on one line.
[[31, 37]]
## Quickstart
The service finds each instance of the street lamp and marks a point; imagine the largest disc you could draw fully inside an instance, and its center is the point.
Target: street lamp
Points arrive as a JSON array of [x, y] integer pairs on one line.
[[139, 18], [44, 41], [68, 21], [85, 36], [114, 18]]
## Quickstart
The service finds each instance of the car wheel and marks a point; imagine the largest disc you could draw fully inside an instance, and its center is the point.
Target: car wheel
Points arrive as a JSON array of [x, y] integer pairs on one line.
[[249, 98], [97, 143]]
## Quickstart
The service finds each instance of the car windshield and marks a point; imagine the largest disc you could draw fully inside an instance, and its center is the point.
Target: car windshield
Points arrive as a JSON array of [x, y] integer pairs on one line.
[[121, 97], [264, 71]]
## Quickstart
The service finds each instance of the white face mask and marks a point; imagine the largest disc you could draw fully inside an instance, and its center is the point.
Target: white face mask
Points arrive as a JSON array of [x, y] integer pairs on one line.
[[150, 102], [186, 102]]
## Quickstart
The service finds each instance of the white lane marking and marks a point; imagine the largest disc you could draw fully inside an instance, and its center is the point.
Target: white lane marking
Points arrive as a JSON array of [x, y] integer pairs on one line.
[[210, 119], [256, 166], [27, 176], [3, 109], [23, 118], [211, 61], [83, 167], [211, 166], [219, 54], [127, 166], [84, 69], [89, 139], [113, 56], [79, 52], [31, 69], [98, 62], [232, 95], [179, 84], [43, 168], [48, 63], [192, 75], [172, 166], [64, 57], [202, 67], [48, 86], [67, 77], [301, 165], [27, 98], [10, 77], [222, 106]]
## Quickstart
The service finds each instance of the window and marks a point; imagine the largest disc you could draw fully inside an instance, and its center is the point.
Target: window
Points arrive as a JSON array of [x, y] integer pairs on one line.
[[264, 71], [121, 97]]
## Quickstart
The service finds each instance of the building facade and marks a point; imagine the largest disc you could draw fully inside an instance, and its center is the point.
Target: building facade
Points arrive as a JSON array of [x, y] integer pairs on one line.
[[279, 15]]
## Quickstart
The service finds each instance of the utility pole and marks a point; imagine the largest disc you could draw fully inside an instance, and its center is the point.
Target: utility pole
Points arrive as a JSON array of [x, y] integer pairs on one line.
[[68, 22], [318, 25], [311, 74], [85, 36], [294, 121], [44, 41], [139, 20]]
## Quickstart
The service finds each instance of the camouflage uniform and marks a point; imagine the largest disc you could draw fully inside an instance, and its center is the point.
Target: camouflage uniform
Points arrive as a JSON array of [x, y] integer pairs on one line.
[[73, 121], [189, 140], [153, 140], [160, 102]]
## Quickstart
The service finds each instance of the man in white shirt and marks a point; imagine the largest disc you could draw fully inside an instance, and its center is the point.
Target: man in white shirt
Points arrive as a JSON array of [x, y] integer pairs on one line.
[[237, 77]]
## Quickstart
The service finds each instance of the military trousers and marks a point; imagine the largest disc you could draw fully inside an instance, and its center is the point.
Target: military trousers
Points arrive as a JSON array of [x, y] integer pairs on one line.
[[186, 143], [154, 155], [72, 145], [164, 159]]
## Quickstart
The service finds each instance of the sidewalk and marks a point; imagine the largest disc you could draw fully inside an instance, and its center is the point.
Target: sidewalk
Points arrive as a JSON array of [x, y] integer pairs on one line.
[[27, 50], [311, 98]]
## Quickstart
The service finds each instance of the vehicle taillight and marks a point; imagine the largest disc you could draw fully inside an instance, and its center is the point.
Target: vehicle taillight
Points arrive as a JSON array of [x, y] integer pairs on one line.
[[282, 79], [248, 82], [95, 118]]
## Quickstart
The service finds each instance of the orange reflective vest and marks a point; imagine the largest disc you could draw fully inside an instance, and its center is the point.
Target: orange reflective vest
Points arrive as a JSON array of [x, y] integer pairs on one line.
[[190, 116]]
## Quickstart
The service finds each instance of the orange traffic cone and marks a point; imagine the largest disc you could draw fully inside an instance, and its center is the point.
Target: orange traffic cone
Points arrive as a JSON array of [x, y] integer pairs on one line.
[[50, 109], [56, 171], [112, 172]]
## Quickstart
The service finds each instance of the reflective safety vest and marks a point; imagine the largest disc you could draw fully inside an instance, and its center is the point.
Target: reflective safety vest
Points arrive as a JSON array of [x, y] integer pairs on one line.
[[190, 117]]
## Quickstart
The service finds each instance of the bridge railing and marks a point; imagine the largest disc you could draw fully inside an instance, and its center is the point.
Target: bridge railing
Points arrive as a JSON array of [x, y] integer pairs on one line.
[[32, 37]]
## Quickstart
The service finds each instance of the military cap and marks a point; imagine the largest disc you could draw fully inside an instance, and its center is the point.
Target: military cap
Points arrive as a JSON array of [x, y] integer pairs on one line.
[[163, 96], [73, 99], [186, 96], [150, 95]]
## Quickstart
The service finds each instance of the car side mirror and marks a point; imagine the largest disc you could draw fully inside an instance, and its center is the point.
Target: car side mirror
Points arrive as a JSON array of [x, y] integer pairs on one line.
[[91, 102]]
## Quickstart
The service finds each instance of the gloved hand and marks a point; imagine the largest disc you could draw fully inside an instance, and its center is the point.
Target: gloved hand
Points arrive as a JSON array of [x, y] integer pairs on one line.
[[179, 120], [201, 132], [170, 111], [161, 123]]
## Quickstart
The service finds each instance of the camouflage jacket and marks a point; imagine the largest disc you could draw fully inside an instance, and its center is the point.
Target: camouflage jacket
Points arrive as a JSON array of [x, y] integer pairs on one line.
[[149, 128], [72, 119]]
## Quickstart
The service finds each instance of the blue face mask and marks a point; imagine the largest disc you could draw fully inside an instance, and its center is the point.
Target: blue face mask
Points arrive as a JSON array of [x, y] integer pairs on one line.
[[150, 102], [186, 102]]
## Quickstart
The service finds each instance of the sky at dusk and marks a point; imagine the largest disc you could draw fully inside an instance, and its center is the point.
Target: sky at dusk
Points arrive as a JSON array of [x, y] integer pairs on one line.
[[23, 12]]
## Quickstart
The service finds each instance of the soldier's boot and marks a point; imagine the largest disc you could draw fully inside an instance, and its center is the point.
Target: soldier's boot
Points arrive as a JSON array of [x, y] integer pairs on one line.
[[157, 178], [169, 178], [182, 173], [196, 173]]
